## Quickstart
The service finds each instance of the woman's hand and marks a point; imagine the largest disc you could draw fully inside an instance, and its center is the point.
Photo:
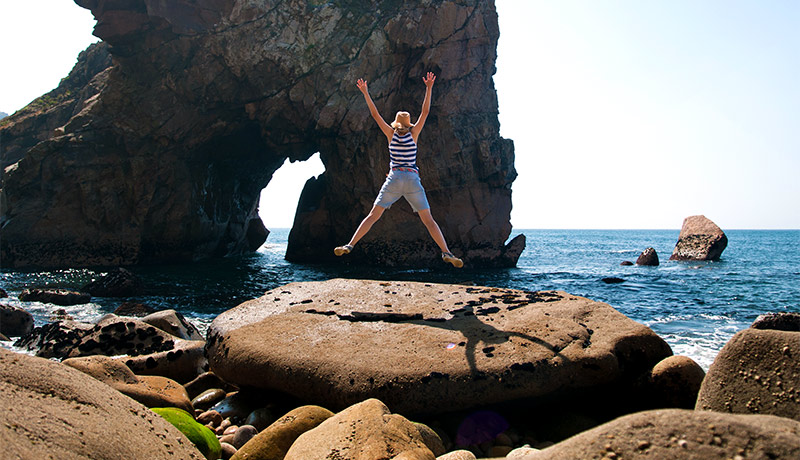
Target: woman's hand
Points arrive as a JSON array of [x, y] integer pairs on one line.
[[427, 79], [362, 85]]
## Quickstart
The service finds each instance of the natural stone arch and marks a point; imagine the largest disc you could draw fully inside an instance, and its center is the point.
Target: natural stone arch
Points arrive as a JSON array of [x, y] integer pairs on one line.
[[162, 155]]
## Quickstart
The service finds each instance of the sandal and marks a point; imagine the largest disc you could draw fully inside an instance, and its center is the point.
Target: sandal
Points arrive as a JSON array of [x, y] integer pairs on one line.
[[342, 250], [451, 259]]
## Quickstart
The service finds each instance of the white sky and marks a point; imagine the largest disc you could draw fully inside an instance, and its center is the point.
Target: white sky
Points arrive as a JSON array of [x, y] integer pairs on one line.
[[624, 113]]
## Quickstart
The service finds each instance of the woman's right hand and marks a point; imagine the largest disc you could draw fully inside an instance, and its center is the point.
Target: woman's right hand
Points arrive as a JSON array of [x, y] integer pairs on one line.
[[362, 85]]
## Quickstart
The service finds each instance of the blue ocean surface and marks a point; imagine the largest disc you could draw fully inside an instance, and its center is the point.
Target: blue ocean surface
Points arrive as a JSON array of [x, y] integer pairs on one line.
[[695, 306]]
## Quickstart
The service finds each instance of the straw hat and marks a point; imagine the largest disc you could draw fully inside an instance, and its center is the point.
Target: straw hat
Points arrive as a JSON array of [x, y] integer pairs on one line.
[[402, 121]]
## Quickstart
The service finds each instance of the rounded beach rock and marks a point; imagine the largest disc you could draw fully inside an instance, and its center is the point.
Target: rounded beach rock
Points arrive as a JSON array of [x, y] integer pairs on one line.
[[675, 382], [426, 348], [364, 431], [756, 372], [700, 239], [682, 434], [152, 391], [274, 441], [54, 411]]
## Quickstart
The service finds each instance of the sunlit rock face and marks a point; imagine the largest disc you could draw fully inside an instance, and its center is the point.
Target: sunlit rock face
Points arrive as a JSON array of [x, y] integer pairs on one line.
[[161, 154]]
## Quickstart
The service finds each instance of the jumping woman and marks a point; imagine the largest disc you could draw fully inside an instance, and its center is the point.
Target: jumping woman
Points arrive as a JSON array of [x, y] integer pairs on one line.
[[403, 179]]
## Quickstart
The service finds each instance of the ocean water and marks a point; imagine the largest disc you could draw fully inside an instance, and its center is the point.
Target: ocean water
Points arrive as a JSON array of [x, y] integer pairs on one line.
[[695, 306]]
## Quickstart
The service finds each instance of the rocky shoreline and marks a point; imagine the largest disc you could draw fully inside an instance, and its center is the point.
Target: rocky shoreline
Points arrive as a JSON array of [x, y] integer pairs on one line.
[[357, 369]]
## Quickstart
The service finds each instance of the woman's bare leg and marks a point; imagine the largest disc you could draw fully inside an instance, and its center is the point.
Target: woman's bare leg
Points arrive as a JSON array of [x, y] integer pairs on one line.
[[433, 229], [366, 224]]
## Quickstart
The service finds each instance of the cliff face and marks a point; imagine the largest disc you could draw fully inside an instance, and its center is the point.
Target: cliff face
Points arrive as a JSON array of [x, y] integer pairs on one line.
[[161, 156]]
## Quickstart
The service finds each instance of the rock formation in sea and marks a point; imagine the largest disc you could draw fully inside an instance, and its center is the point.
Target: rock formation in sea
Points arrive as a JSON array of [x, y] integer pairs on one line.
[[700, 239], [157, 145]]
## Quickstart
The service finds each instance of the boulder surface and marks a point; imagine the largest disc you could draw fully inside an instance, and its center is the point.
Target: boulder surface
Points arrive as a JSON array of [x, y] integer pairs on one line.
[[700, 239], [756, 372], [53, 411], [424, 348], [160, 154], [683, 434]]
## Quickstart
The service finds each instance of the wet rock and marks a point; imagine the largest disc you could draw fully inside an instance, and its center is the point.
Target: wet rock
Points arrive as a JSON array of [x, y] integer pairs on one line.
[[170, 159], [261, 418], [208, 398], [426, 348], [626, 263], [82, 416], [778, 321], [366, 430], [3, 293], [243, 434], [675, 382], [210, 417], [228, 451], [612, 280], [55, 340], [700, 239], [116, 283], [199, 435], [55, 296], [684, 434], [648, 257], [15, 322], [756, 372], [274, 441]]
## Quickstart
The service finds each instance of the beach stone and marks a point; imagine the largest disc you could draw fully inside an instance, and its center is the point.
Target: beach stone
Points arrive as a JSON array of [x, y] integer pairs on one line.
[[364, 431], [756, 372], [431, 439], [14, 321], [419, 453], [243, 434], [675, 382], [61, 297], [239, 404], [118, 282], [426, 348], [209, 417], [457, 455], [208, 398], [261, 418], [54, 411], [783, 321], [648, 257], [173, 323], [683, 434], [626, 263], [700, 239], [274, 441], [228, 451], [152, 391]]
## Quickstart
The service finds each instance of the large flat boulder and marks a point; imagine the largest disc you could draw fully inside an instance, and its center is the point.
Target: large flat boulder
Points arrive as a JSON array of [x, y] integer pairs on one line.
[[54, 411], [683, 434], [427, 348]]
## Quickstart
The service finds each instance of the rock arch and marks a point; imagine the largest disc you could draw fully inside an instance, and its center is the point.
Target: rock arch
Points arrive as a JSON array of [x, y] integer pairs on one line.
[[159, 153]]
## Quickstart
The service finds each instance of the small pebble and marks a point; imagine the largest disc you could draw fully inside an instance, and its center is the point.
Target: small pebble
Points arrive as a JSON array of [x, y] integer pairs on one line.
[[228, 450], [683, 443], [243, 434]]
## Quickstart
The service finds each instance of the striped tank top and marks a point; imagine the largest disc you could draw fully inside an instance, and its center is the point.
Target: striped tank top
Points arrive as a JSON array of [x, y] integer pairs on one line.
[[403, 151]]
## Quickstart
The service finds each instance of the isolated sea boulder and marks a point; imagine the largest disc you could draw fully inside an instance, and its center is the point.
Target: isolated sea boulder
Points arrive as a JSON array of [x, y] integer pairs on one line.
[[756, 372], [426, 348], [61, 297], [700, 239], [648, 257], [54, 411], [158, 145]]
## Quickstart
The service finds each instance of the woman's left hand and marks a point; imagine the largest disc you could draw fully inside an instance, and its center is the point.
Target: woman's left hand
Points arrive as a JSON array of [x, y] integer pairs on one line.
[[429, 79]]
